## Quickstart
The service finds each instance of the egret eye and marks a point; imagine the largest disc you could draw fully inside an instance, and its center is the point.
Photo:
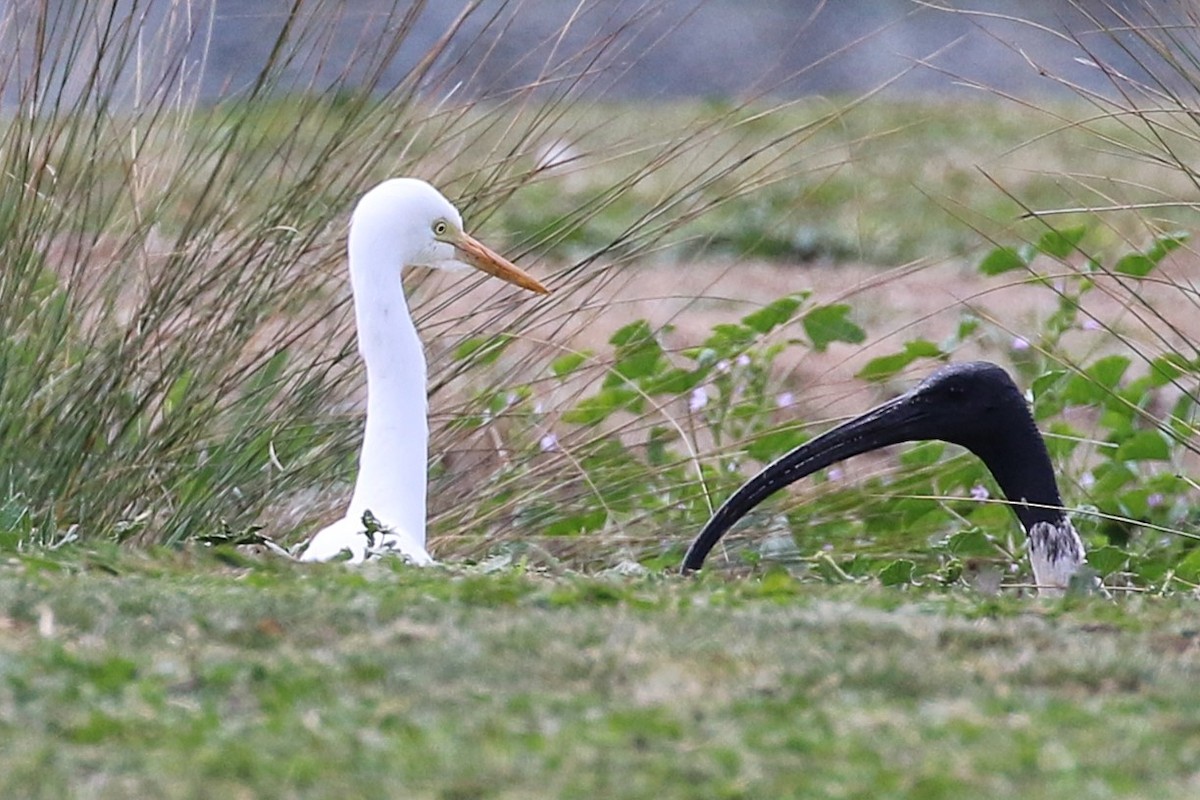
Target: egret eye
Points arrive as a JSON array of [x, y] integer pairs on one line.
[[440, 227]]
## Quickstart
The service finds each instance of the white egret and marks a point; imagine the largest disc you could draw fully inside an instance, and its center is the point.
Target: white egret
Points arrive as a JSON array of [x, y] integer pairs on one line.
[[401, 222]]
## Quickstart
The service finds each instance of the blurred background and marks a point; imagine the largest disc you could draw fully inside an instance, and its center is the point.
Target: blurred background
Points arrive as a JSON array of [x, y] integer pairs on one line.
[[633, 48]]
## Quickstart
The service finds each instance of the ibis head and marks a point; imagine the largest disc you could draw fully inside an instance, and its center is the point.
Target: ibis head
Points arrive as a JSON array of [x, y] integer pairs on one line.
[[972, 404]]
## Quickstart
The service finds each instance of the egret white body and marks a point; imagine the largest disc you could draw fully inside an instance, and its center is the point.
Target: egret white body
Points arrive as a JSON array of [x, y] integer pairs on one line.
[[401, 222]]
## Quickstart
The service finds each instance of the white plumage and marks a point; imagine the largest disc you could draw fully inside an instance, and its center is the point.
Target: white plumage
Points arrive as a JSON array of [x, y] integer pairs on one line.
[[401, 222]]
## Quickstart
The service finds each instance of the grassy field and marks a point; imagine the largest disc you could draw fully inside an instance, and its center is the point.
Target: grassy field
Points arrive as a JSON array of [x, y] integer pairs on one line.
[[179, 379], [182, 675], [557, 654]]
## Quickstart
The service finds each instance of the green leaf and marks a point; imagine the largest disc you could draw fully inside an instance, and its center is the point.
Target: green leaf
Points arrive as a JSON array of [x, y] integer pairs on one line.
[[971, 542], [1136, 265], [922, 454], [885, 367], [1048, 394], [1166, 243], [635, 366], [637, 353], [907, 513], [632, 334], [178, 392], [483, 349], [1135, 503], [1189, 568], [1151, 570], [568, 363], [771, 316], [991, 517], [1144, 446], [1000, 260], [1165, 369], [1062, 440], [1139, 265], [673, 381], [923, 348], [826, 324], [1108, 371], [1097, 382], [1045, 382], [657, 453], [1108, 559], [269, 373], [1111, 476], [599, 406], [770, 446], [967, 325], [586, 522], [1060, 244], [728, 339], [898, 572]]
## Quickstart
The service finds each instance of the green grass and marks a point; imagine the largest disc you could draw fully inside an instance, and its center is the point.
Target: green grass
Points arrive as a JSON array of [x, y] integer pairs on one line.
[[178, 362], [183, 676]]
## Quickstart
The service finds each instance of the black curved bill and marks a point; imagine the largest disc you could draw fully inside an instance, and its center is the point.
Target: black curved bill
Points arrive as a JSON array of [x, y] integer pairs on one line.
[[904, 419]]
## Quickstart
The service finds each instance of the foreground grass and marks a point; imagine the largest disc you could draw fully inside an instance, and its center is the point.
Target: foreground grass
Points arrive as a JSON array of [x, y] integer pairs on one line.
[[187, 676]]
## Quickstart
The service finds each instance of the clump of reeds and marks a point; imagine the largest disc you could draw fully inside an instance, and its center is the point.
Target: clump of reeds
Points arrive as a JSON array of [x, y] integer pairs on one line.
[[178, 350]]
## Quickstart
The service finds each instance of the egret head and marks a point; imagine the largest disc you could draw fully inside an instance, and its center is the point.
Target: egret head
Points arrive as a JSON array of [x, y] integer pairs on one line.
[[406, 222]]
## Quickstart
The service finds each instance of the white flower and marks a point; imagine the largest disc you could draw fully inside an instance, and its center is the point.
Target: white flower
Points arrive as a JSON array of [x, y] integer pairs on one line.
[[835, 474], [785, 400], [743, 360], [723, 365], [549, 443], [1019, 343], [979, 492], [1091, 325], [698, 400]]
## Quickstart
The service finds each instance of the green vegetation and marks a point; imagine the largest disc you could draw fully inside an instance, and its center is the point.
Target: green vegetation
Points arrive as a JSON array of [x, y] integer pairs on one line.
[[180, 387], [174, 361], [179, 677]]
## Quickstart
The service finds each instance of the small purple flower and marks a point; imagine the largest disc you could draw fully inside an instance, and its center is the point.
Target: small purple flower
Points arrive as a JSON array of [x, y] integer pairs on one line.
[[743, 360], [1155, 500], [698, 400], [1019, 343], [723, 365], [549, 443], [1087, 480], [979, 492], [785, 400], [835, 474], [1091, 325]]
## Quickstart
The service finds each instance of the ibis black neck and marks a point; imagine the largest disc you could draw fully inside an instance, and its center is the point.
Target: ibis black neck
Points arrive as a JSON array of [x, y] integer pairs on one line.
[[975, 405]]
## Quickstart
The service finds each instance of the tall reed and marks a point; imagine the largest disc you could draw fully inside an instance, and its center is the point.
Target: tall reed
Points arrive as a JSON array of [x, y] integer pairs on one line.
[[178, 350]]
